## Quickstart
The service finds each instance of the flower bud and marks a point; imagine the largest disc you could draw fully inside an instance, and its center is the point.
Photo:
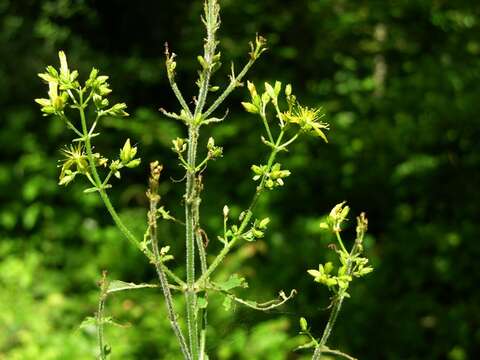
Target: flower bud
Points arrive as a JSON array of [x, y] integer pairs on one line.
[[64, 72], [179, 145], [257, 233], [202, 62], [249, 107], [338, 215], [277, 88], [270, 91], [93, 74], [252, 89], [133, 163], [118, 110], [303, 324], [104, 90], [127, 153], [264, 223], [210, 143], [288, 90], [328, 267]]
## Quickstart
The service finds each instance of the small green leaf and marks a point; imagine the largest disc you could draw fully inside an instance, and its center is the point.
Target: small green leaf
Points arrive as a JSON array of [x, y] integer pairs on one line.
[[233, 281], [89, 321]]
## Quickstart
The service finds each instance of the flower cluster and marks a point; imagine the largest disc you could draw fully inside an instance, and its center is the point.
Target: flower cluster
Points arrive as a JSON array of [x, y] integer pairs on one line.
[[59, 82], [64, 90], [307, 119], [214, 151], [352, 264], [273, 177]]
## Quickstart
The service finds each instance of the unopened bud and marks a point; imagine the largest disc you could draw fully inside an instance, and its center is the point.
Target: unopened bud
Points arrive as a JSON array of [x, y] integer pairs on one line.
[[127, 153], [303, 324]]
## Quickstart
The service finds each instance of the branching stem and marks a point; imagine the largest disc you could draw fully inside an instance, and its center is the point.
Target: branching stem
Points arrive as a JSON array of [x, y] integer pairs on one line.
[[234, 83], [248, 215], [103, 194], [337, 305]]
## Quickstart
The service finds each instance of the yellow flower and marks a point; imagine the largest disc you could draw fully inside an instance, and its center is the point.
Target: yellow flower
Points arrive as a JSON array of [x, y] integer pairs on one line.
[[308, 119]]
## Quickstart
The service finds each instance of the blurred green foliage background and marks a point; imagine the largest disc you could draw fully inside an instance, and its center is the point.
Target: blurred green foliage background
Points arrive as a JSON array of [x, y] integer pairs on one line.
[[400, 83]]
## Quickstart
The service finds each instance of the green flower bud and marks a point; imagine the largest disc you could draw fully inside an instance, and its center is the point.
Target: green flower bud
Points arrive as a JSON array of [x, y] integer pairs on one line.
[[303, 324], [127, 153], [67, 177], [265, 99], [93, 74], [179, 145], [117, 110], [249, 107], [104, 90], [171, 64], [264, 223], [257, 169], [362, 226], [43, 102], [338, 215], [328, 267], [365, 271], [210, 143], [258, 48], [133, 163], [257, 233], [269, 183], [252, 89], [324, 225], [277, 88], [256, 100], [47, 77], [288, 90], [214, 152], [64, 71], [216, 57], [202, 62], [342, 284], [102, 79], [270, 91]]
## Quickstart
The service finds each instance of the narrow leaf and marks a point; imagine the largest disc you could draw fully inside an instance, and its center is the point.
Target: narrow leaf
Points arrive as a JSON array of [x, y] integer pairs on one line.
[[118, 285]]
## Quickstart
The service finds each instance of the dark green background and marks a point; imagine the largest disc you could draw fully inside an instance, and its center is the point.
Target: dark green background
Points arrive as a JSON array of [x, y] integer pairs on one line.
[[404, 147]]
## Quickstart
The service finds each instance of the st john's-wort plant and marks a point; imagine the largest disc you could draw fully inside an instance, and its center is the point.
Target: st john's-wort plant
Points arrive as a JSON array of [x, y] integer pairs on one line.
[[82, 105]]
